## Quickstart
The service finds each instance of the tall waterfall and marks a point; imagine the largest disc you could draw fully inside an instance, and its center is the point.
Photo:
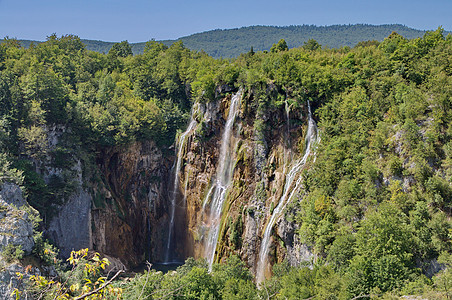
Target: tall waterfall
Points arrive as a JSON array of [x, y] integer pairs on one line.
[[174, 192], [222, 181], [287, 110], [288, 192]]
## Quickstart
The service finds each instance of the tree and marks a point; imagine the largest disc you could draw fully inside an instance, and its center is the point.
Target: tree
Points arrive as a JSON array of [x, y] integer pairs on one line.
[[311, 45], [383, 247], [280, 46], [153, 48], [83, 281], [122, 49]]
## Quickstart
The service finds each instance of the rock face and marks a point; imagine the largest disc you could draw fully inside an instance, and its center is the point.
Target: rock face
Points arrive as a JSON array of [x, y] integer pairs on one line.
[[9, 281], [129, 217], [117, 205], [71, 228], [75, 213], [16, 229], [15, 226], [296, 252], [265, 148]]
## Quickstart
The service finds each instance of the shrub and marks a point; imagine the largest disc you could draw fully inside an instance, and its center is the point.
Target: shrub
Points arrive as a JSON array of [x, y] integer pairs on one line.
[[12, 252]]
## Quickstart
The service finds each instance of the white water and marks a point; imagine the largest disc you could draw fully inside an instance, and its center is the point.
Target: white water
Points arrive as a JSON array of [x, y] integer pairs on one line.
[[174, 192], [222, 181], [288, 193], [287, 109]]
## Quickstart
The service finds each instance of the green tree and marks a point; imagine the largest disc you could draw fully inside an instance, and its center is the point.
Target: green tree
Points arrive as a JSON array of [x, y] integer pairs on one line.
[[384, 251], [122, 49], [311, 45], [280, 46]]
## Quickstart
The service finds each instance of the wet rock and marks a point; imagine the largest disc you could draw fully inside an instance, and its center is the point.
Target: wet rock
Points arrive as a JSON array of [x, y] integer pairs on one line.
[[251, 239], [222, 89]]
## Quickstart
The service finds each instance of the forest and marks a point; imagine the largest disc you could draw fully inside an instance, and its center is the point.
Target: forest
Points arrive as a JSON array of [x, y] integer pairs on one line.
[[228, 43], [376, 204]]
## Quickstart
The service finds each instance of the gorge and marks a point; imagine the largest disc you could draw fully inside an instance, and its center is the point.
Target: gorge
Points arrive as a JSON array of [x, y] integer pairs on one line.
[[308, 171]]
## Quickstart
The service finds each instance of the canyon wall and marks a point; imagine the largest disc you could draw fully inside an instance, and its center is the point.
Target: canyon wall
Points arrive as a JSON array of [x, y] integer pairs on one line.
[[118, 205], [129, 204], [263, 150]]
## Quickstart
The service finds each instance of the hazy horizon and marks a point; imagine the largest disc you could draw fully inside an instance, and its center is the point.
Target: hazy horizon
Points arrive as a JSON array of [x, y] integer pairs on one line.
[[282, 26], [142, 20]]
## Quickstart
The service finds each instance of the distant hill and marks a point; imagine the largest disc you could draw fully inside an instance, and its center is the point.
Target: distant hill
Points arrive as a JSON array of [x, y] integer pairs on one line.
[[232, 42]]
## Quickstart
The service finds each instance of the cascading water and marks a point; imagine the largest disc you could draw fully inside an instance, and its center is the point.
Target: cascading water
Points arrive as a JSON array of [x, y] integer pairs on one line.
[[222, 181], [288, 193], [174, 192], [287, 109]]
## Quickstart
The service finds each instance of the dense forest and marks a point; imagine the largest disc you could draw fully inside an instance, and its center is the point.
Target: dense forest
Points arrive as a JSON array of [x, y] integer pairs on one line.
[[376, 205], [232, 42]]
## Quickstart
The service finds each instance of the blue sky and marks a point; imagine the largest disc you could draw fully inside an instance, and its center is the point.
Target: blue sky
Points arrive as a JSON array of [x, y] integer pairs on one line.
[[142, 20]]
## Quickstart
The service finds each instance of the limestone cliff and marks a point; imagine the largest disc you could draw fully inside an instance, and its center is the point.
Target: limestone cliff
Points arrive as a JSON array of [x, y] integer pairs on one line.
[[116, 204], [130, 210], [16, 230], [16, 227], [264, 148], [120, 203]]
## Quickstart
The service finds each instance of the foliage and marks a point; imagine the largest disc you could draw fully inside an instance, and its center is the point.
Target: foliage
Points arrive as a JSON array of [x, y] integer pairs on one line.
[[122, 49], [280, 46], [231, 280], [312, 45], [82, 281], [12, 252], [8, 173], [443, 280], [45, 251]]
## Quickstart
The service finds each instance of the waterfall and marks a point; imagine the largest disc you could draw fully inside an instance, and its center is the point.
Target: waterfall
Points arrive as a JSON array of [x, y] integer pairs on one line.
[[288, 192], [174, 192], [287, 110], [222, 181]]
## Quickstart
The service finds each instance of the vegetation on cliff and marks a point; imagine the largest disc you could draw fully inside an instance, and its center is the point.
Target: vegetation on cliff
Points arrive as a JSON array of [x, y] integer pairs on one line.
[[376, 204]]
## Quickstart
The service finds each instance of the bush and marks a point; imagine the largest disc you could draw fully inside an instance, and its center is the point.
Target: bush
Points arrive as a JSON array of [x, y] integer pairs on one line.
[[12, 252]]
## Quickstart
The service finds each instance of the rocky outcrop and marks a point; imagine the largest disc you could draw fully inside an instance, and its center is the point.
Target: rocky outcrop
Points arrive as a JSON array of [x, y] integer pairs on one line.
[[9, 281], [16, 229], [15, 226]]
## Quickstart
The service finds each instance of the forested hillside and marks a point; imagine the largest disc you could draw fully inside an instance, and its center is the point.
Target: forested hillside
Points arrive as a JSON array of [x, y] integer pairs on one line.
[[374, 208], [232, 42]]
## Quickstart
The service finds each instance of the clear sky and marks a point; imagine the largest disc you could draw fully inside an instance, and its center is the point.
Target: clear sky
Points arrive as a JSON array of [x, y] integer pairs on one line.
[[142, 20]]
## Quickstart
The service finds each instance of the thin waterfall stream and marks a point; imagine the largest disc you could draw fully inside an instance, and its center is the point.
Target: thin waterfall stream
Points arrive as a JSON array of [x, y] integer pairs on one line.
[[288, 192], [174, 192], [222, 181]]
